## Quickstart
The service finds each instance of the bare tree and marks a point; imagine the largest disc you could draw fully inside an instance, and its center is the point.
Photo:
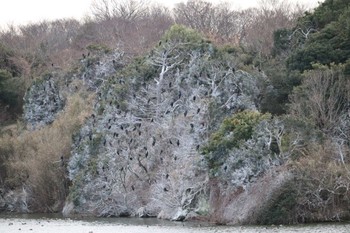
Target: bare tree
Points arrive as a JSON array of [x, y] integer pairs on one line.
[[166, 57], [102, 9], [218, 22], [131, 25], [270, 16], [322, 97], [129, 10], [196, 14], [227, 24]]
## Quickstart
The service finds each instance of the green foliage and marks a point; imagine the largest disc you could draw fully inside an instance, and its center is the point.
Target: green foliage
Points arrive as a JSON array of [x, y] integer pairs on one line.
[[227, 56], [95, 144], [140, 69], [321, 37], [184, 39], [10, 89], [281, 41], [229, 49], [75, 190], [275, 94], [347, 68], [100, 48], [327, 12], [282, 210], [101, 109], [330, 41], [181, 34], [233, 131], [11, 86], [5, 53], [6, 63], [121, 91], [93, 166], [4, 75]]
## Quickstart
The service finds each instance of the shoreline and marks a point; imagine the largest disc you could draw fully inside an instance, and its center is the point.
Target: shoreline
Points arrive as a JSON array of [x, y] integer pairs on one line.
[[194, 221], [11, 225]]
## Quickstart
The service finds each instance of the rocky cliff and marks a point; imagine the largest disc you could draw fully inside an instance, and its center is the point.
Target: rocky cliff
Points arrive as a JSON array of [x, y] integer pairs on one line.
[[144, 149], [140, 151], [43, 102]]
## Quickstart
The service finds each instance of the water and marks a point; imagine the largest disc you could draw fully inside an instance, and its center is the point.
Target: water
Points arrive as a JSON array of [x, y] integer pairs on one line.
[[57, 224]]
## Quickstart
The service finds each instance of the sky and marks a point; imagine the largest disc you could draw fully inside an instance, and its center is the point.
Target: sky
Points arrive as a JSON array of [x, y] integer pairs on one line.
[[31, 11]]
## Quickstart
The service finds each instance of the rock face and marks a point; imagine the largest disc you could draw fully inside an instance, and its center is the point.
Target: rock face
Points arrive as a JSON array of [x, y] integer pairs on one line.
[[14, 201], [140, 150], [42, 102], [98, 67], [46, 97]]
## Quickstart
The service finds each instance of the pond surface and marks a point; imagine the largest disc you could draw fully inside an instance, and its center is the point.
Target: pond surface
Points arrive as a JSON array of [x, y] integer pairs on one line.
[[56, 224]]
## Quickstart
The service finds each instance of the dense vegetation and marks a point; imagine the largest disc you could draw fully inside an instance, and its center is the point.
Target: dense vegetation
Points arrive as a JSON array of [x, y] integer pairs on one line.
[[300, 59]]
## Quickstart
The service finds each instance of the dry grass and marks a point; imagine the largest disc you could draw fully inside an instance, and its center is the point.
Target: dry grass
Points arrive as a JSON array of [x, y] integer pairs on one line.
[[34, 158], [324, 184]]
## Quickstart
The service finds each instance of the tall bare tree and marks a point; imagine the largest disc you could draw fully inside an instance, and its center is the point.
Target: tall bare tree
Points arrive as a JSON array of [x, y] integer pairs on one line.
[[322, 98]]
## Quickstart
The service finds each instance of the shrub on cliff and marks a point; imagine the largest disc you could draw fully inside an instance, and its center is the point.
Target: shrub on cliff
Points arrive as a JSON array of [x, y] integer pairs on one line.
[[11, 92], [323, 97], [322, 183], [233, 132], [7, 96]]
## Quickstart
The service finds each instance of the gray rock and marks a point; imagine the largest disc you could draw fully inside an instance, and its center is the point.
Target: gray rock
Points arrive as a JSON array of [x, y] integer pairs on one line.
[[142, 212], [141, 147], [179, 214], [43, 102]]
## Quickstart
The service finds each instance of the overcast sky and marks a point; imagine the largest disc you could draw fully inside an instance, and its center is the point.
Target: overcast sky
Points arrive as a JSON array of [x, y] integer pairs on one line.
[[24, 11]]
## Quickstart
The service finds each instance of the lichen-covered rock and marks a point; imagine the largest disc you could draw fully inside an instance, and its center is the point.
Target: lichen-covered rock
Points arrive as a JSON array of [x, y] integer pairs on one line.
[[43, 102], [142, 212], [96, 68], [242, 165], [179, 214], [176, 214], [143, 151], [14, 201], [46, 97], [141, 147]]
